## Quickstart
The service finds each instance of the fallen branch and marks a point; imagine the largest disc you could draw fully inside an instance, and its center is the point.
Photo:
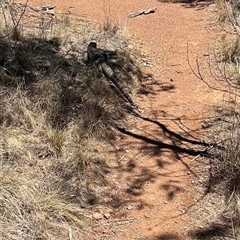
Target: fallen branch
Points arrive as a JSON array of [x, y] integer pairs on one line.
[[122, 219], [143, 12]]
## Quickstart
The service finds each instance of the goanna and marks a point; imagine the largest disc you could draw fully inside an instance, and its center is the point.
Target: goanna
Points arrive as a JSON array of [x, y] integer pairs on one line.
[[99, 57]]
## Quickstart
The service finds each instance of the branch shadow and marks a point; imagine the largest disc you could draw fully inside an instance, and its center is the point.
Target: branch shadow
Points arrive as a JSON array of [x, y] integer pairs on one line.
[[214, 231], [136, 186], [171, 190], [180, 146], [158, 146], [166, 236]]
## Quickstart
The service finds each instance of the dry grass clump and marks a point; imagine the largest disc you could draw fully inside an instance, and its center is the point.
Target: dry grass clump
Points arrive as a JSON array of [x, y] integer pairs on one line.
[[56, 112], [228, 11], [32, 205], [229, 60], [225, 166], [230, 49], [228, 150], [30, 210], [222, 11], [216, 214]]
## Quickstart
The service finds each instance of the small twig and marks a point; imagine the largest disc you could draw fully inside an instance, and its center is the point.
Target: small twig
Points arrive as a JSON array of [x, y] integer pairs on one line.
[[207, 148], [70, 233], [122, 220], [199, 155], [120, 160], [143, 12]]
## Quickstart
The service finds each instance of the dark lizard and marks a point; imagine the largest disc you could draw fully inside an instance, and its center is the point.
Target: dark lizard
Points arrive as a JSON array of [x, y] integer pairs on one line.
[[99, 57]]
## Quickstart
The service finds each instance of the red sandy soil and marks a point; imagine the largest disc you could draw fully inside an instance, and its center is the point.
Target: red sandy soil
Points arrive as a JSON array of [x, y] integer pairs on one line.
[[156, 157]]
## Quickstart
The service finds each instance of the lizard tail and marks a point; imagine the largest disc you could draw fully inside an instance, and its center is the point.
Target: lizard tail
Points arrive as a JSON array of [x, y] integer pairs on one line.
[[108, 72]]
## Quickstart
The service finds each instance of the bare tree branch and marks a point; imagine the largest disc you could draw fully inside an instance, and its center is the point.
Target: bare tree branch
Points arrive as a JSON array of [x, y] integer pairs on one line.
[[199, 75]]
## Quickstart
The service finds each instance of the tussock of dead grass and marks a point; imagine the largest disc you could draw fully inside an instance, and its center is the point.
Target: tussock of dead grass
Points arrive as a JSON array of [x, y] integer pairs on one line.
[[224, 172], [230, 48], [228, 150], [29, 210], [55, 113]]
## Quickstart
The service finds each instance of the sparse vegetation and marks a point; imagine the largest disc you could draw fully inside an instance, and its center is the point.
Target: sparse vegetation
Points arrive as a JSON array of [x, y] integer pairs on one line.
[[228, 130], [54, 111], [225, 132], [226, 164], [230, 49], [230, 59]]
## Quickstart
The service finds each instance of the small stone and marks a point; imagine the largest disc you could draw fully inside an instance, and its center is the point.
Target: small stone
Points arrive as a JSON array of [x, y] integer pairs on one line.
[[129, 207], [109, 210], [97, 216], [51, 12], [107, 215]]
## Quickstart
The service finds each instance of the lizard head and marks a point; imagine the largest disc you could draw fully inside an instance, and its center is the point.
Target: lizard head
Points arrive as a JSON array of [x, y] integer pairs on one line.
[[92, 45]]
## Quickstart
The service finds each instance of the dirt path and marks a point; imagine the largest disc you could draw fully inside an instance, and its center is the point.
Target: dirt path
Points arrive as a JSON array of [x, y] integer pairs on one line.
[[151, 182]]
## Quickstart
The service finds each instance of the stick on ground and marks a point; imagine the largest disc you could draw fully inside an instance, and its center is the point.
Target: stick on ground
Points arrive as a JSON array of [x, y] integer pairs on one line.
[[143, 12]]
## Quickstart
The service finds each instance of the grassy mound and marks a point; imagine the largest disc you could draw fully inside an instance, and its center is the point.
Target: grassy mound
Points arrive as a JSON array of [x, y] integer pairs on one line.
[[56, 112]]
